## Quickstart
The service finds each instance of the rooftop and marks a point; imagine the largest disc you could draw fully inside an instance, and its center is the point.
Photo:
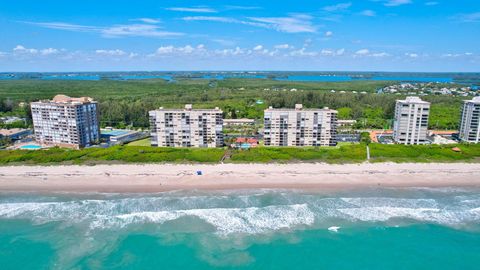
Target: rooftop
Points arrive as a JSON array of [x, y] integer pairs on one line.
[[240, 120], [246, 140], [298, 107], [189, 107], [416, 100], [70, 100], [475, 100], [10, 132], [116, 132]]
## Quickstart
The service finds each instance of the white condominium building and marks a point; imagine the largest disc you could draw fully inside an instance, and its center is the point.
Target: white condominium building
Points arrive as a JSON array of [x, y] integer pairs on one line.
[[187, 127], [470, 122], [66, 121], [300, 127], [411, 121]]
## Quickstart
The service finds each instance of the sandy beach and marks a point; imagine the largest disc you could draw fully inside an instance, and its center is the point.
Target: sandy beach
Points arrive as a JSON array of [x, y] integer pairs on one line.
[[157, 178]]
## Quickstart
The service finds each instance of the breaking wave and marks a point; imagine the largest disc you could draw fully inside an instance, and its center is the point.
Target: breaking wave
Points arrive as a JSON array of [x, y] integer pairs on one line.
[[251, 213], [225, 220], [109, 214]]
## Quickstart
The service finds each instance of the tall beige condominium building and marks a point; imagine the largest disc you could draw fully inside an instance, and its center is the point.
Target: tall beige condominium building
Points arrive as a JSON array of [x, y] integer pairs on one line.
[[187, 127], [411, 121], [300, 127], [470, 121], [66, 121]]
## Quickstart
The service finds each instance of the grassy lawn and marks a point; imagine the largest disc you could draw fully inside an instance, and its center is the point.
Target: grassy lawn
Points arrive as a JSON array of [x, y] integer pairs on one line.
[[143, 142]]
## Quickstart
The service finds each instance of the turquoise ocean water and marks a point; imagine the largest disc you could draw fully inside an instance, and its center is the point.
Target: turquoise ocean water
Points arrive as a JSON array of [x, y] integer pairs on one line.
[[412, 228]]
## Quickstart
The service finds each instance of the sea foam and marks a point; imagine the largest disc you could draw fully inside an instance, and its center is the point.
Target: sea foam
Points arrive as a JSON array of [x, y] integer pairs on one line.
[[254, 213], [225, 220]]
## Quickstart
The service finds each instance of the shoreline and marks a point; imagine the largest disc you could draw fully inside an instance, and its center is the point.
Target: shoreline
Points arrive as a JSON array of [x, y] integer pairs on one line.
[[302, 176]]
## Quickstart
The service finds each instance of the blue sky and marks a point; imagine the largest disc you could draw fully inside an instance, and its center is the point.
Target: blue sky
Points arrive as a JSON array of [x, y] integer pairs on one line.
[[362, 35]]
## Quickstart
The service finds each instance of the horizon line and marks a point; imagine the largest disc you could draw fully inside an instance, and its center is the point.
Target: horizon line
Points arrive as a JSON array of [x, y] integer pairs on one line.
[[235, 70]]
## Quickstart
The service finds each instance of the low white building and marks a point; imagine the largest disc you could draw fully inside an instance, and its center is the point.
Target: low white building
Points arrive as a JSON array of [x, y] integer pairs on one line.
[[15, 133], [119, 136], [239, 122], [186, 127]]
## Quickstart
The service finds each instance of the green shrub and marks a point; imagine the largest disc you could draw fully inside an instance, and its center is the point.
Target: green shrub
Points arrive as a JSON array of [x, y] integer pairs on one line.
[[344, 154]]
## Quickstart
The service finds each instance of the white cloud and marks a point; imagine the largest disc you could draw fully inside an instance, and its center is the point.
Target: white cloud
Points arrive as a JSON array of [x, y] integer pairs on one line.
[[147, 20], [449, 55], [224, 42], [137, 30], [327, 52], [66, 26], [231, 52], [49, 51], [128, 30], [303, 52], [22, 52], [338, 7], [185, 50], [362, 52], [307, 42], [469, 17], [230, 7], [282, 46], [211, 18], [368, 13], [330, 52], [116, 52], [297, 23], [197, 54], [457, 54], [380, 54], [367, 52], [199, 51], [133, 55], [20, 49], [411, 55], [394, 3], [328, 33], [193, 9], [165, 50]]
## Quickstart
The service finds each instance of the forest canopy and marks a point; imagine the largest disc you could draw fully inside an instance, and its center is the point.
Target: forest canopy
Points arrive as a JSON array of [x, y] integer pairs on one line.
[[126, 103]]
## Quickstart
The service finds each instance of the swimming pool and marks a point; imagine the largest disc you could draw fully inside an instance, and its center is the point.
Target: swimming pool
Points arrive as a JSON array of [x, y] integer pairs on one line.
[[30, 147]]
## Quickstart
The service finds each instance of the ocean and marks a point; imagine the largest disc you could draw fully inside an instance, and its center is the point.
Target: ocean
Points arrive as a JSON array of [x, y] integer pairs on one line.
[[466, 78], [382, 228]]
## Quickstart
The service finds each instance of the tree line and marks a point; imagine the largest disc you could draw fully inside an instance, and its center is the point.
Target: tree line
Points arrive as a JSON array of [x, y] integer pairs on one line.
[[127, 103]]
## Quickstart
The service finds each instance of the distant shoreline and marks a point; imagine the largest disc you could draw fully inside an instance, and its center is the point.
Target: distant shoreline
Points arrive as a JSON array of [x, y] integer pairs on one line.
[[302, 176]]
